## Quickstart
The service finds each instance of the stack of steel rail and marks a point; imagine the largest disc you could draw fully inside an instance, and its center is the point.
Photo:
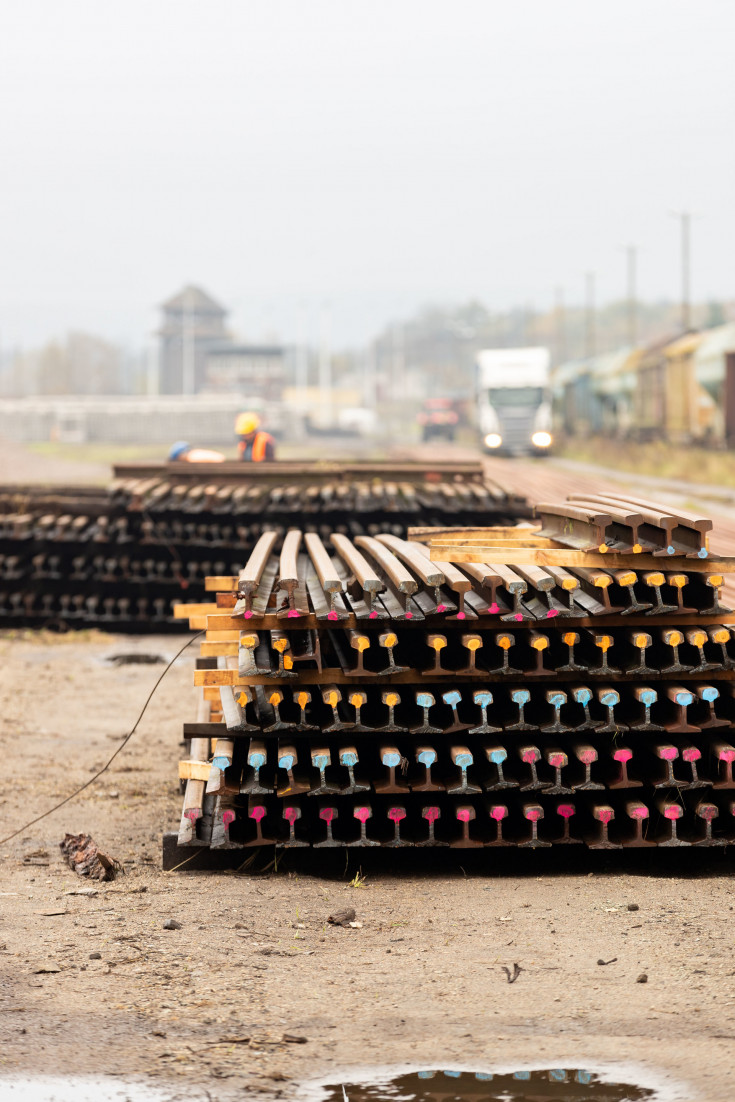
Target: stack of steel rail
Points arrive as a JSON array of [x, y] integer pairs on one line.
[[121, 558], [497, 687]]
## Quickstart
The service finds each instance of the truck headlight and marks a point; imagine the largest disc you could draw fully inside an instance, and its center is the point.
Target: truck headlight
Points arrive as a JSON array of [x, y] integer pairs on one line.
[[541, 440], [493, 440]]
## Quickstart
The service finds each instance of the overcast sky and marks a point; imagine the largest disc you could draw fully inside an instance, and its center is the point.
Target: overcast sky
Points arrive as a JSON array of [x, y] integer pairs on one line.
[[374, 155]]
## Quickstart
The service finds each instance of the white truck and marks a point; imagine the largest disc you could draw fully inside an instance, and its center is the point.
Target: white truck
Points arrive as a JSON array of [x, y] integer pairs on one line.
[[514, 400]]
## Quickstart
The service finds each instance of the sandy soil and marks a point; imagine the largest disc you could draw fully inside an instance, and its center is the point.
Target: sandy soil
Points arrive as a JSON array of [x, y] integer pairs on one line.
[[421, 981], [202, 1010], [19, 465]]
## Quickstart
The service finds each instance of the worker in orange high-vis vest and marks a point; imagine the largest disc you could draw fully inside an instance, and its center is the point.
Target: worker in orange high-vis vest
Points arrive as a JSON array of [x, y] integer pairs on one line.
[[254, 445], [181, 451]]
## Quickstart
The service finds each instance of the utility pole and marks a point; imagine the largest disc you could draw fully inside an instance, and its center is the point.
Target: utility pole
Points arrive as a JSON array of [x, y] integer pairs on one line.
[[590, 336], [685, 219], [398, 343], [632, 262], [325, 361], [560, 326], [302, 366]]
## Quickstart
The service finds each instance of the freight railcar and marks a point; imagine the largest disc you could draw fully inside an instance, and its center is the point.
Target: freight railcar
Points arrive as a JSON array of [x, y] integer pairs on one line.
[[680, 389]]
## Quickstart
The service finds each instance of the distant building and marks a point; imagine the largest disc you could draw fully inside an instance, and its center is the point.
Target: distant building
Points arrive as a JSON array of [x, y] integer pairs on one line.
[[193, 324], [257, 371]]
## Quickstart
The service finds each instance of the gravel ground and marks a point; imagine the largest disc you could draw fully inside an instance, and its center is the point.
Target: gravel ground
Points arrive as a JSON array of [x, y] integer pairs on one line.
[[93, 983]]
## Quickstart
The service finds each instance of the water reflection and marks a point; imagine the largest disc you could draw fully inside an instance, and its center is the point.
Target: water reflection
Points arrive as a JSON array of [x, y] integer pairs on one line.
[[553, 1084]]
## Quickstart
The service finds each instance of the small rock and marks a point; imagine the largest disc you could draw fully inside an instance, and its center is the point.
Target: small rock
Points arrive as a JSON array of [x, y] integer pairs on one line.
[[633, 907], [355, 925], [95, 956], [643, 978], [294, 1039], [171, 924], [342, 918], [158, 1033], [46, 969], [278, 1076]]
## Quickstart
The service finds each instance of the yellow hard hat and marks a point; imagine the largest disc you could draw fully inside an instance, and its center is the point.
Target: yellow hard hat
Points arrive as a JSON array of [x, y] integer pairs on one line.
[[246, 423]]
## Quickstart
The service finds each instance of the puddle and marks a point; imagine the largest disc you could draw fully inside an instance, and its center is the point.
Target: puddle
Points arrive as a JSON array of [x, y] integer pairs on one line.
[[135, 658], [537, 1085]]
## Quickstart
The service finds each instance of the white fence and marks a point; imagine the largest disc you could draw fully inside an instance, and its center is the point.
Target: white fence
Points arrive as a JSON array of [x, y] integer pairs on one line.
[[201, 420]]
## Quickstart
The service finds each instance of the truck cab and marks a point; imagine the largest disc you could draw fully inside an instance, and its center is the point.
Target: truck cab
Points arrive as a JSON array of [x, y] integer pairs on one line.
[[514, 401]]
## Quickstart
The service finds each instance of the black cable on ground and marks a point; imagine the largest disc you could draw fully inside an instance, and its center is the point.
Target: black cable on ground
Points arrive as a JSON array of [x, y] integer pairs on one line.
[[107, 764]]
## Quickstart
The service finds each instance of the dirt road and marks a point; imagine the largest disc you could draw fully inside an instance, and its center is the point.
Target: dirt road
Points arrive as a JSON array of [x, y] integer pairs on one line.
[[94, 983]]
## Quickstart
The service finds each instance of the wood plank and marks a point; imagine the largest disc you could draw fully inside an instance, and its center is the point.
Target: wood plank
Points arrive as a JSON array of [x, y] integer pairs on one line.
[[565, 557], [216, 650], [455, 533], [186, 612], [220, 583], [194, 770], [226, 636], [413, 677]]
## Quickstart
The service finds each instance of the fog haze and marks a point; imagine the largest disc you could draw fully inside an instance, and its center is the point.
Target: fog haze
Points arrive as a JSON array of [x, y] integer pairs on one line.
[[377, 156]]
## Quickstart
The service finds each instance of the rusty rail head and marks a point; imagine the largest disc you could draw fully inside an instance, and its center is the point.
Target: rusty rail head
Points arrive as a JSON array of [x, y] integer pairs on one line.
[[326, 572], [414, 555], [249, 577], [399, 576], [367, 579], [288, 569]]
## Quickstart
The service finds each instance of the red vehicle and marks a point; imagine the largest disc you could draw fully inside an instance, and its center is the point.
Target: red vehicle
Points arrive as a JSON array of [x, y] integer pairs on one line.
[[438, 418]]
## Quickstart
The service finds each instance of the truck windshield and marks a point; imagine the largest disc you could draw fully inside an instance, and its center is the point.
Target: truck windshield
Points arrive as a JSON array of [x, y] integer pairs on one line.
[[515, 396]]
